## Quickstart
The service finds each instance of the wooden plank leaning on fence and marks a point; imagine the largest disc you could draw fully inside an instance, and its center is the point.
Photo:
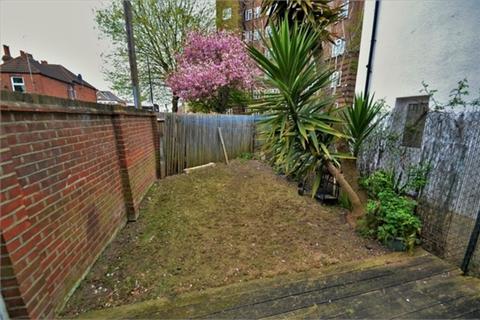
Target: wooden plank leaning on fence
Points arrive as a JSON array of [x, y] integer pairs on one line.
[[223, 145]]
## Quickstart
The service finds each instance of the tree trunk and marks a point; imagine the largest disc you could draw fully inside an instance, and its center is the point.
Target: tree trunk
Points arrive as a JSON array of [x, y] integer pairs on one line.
[[357, 207], [223, 96], [175, 103]]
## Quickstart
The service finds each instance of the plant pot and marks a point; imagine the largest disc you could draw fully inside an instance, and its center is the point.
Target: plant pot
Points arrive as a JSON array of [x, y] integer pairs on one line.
[[396, 245]]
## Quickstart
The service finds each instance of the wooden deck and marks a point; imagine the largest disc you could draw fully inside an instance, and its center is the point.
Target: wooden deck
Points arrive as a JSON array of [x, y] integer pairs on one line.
[[394, 286]]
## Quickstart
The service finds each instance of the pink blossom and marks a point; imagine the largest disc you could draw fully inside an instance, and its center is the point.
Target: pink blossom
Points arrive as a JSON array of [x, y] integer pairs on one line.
[[210, 62]]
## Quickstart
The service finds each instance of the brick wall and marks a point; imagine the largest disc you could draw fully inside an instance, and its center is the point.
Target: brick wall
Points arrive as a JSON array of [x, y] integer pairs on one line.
[[71, 175]]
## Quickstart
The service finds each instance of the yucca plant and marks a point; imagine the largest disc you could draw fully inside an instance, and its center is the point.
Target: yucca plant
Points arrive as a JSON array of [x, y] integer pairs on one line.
[[360, 120], [298, 127], [317, 15]]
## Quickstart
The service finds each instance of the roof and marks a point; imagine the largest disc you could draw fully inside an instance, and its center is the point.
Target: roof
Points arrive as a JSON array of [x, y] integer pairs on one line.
[[54, 71], [108, 96]]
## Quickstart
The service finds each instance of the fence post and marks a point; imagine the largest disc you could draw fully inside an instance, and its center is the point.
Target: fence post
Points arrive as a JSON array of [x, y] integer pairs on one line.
[[156, 143], [471, 244]]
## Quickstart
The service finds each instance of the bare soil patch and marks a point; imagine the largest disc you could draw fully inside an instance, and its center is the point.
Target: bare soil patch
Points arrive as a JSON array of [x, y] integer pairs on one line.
[[213, 227]]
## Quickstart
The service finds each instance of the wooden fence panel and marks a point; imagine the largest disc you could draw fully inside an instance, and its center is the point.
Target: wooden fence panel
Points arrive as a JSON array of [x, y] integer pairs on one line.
[[189, 140]]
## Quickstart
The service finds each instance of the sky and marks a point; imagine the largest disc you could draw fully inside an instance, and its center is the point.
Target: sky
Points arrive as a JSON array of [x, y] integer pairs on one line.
[[59, 31]]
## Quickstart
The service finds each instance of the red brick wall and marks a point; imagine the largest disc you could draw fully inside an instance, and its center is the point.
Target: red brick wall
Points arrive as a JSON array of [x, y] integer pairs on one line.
[[38, 84], [70, 179]]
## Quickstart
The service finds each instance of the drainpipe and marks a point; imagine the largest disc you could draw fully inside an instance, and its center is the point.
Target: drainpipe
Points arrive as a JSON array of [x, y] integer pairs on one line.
[[373, 40]]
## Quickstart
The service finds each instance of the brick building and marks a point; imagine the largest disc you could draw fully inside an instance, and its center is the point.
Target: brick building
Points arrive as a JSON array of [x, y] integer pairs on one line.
[[245, 17], [25, 74], [342, 56]]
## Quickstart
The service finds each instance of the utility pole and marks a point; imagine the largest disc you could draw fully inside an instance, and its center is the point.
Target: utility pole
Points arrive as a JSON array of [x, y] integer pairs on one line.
[[150, 80], [127, 7]]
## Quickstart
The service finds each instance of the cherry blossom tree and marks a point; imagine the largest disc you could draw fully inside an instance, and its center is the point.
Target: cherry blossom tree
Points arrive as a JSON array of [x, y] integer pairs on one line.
[[211, 69]]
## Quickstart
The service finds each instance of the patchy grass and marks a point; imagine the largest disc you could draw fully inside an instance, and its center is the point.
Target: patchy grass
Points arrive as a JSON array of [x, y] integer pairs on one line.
[[214, 227]]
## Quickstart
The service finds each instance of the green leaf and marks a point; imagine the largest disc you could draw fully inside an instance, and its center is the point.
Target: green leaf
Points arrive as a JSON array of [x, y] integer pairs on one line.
[[316, 184]]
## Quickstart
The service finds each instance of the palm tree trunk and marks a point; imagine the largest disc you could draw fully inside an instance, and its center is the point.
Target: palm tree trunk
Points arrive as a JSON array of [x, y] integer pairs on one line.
[[357, 207]]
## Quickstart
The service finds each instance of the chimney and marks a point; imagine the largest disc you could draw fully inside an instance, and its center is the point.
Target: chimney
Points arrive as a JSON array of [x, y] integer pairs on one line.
[[22, 54], [44, 62], [7, 56]]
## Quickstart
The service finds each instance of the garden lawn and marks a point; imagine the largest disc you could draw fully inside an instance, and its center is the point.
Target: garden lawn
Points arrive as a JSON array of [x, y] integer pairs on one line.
[[213, 227]]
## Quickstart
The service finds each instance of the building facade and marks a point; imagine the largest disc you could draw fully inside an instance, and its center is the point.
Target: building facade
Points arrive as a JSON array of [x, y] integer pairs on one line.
[[25, 74], [108, 97], [245, 17], [342, 55], [419, 41]]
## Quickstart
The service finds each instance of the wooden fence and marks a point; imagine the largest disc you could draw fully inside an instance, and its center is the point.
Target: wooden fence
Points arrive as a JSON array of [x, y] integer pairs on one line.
[[190, 140]]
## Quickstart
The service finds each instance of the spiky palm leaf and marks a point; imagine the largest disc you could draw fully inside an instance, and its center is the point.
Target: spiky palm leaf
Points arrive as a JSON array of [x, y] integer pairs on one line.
[[360, 120], [316, 14], [298, 127]]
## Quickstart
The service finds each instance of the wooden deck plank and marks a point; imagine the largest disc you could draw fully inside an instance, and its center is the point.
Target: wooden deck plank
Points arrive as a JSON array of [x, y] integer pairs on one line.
[[447, 310], [382, 278], [420, 286]]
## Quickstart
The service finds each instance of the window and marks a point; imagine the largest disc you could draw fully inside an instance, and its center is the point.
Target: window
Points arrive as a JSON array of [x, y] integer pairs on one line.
[[335, 79], [227, 13], [17, 84], [247, 36], [71, 92], [248, 14], [267, 53], [272, 91], [415, 123], [257, 12], [268, 31], [256, 35], [338, 48], [345, 8]]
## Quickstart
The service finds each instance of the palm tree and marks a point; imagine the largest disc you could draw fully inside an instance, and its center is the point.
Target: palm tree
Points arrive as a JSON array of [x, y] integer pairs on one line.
[[360, 120], [317, 15], [298, 129]]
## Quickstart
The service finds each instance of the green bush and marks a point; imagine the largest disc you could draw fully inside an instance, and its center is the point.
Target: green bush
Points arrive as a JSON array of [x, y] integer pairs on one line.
[[416, 179], [390, 216], [378, 182]]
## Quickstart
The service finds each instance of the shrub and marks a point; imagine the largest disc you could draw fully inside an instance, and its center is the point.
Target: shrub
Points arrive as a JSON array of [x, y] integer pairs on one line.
[[377, 182], [381, 180], [390, 215]]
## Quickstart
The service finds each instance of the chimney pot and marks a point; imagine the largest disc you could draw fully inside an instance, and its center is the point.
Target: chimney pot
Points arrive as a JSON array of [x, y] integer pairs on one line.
[[7, 56], [44, 62], [6, 50], [22, 53]]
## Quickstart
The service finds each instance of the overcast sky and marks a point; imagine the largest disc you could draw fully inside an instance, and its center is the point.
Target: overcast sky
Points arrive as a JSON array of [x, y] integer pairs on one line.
[[59, 31]]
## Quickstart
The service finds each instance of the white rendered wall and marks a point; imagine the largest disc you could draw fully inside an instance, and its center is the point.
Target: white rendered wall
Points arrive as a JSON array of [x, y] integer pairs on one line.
[[436, 41]]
